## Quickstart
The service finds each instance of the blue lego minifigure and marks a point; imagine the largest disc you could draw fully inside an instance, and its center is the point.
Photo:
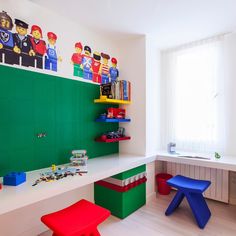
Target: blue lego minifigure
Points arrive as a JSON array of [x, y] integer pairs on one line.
[[113, 71], [87, 63], [51, 58], [6, 38]]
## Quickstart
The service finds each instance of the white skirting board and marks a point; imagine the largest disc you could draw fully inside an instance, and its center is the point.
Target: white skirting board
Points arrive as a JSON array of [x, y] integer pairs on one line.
[[219, 188]]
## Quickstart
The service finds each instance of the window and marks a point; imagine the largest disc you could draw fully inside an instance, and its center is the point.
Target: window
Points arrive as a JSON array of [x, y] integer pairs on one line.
[[192, 97]]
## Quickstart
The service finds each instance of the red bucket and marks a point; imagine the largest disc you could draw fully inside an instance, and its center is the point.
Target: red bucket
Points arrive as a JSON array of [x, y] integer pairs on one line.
[[162, 187]]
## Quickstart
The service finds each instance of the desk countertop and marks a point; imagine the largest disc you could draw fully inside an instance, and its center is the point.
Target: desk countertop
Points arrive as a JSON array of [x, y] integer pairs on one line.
[[12, 198], [224, 163]]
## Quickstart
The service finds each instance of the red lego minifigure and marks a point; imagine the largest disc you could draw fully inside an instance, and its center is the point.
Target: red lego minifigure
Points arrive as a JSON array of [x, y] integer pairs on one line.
[[76, 60], [95, 67], [39, 45]]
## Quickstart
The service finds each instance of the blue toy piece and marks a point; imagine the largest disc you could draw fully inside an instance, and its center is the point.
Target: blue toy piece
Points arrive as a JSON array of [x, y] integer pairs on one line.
[[14, 178], [192, 189]]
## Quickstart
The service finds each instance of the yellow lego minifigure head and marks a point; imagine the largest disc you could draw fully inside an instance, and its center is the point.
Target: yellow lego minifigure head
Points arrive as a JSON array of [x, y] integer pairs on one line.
[[36, 32]]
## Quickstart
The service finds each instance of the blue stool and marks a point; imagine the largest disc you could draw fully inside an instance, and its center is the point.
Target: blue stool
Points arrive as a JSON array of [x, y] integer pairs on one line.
[[192, 189]]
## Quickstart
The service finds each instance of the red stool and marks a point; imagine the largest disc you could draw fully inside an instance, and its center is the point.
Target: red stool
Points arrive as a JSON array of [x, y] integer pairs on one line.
[[79, 219]]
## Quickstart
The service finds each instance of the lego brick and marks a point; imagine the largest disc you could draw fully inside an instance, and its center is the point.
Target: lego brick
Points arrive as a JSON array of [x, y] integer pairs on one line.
[[14, 178]]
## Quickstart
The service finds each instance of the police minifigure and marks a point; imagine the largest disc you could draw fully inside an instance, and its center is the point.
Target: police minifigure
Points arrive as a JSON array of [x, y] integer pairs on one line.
[[96, 66], [76, 60], [52, 57], [39, 45], [113, 71], [6, 38], [23, 46], [104, 68], [87, 63]]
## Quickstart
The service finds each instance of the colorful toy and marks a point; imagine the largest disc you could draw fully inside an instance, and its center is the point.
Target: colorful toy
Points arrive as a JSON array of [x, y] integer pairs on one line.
[[76, 60], [54, 167], [57, 174], [80, 160], [104, 68], [14, 178], [96, 67], [52, 57], [39, 45], [117, 113], [6, 38], [217, 155], [113, 71], [23, 47], [87, 63]]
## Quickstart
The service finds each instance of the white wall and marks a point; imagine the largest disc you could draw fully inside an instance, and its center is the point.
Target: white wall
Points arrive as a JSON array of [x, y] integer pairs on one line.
[[68, 32], [132, 64]]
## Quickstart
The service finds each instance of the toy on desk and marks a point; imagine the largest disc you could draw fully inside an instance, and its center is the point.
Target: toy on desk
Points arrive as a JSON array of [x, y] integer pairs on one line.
[[171, 148], [117, 113], [57, 174], [217, 155], [14, 178], [80, 160]]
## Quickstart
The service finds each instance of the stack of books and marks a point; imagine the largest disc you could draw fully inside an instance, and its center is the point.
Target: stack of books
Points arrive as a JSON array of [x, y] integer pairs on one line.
[[120, 90]]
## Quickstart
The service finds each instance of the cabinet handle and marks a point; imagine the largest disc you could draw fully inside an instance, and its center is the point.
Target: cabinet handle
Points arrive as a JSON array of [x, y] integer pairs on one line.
[[41, 135]]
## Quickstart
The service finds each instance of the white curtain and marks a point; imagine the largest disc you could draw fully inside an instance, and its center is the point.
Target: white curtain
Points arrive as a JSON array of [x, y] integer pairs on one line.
[[192, 96]]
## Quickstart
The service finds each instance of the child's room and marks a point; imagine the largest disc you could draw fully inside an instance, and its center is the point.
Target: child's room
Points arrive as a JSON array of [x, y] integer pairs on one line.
[[117, 118]]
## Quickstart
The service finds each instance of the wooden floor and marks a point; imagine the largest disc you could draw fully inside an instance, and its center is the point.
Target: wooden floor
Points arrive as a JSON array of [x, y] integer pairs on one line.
[[150, 220]]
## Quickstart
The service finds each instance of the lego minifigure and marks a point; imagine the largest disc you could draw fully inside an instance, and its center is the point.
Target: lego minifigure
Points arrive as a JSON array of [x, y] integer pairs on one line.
[[87, 63], [104, 68], [51, 55], [23, 47], [95, 67], [113, 71], [6, 38], [39, 45], [76, 60]]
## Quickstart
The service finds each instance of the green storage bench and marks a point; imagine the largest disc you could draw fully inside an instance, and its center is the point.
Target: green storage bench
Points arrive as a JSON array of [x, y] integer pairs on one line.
[[124, 193]]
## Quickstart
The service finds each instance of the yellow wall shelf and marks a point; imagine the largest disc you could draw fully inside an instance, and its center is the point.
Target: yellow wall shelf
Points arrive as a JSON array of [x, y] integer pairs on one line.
[[104, 99]]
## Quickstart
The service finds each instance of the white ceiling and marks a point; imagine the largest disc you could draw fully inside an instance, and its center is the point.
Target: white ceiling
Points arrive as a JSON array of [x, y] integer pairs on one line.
[[170, 22]]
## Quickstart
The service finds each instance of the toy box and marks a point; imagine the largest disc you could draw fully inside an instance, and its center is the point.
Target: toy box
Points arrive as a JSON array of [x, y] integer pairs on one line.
[[14, 178], [122, 204]]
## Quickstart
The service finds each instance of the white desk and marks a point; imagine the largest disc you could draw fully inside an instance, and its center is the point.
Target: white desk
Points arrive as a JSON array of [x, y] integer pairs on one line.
[[12, 198], [224, 163]]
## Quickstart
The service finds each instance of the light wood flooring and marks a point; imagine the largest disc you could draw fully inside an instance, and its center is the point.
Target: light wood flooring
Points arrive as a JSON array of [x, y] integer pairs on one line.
[[150, 220]]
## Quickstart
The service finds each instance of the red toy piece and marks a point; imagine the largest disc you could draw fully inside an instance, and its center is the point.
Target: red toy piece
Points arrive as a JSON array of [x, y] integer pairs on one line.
[[117, 113], [79, 219], [0, 186]]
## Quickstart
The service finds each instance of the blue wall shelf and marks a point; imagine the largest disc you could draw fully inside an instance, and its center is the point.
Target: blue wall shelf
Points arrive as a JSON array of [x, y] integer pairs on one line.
[[112, 120]]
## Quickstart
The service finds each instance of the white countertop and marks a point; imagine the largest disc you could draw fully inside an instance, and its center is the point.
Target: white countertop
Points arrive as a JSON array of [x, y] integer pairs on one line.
[[14, 197], [225, 162]]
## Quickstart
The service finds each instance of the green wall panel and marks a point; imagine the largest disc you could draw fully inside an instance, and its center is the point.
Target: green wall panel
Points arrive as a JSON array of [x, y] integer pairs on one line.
[[32, 103]]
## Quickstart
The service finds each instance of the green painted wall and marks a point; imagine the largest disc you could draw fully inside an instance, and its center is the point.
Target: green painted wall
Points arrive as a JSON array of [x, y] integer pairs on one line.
[[32, 103]]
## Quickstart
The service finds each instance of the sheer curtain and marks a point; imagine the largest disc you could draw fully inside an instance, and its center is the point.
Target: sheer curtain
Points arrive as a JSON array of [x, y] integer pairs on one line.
[[193, 96]]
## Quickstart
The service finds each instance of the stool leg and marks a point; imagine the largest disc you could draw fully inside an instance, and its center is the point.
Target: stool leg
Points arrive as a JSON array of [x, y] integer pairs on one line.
[[95, 233], [178, 198], [199, 208]]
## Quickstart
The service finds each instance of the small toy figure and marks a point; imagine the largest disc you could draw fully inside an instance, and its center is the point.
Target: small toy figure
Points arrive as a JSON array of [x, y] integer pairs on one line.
[[113, 71], [39, 45], [54, 168], [87, 63], [6, 38], [217, 155], [104, 68], [52, 53], [76, 59], [23, 47], [95, 67]]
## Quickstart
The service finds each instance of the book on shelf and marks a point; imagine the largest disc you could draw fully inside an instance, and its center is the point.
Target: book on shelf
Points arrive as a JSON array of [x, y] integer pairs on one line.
[[120, 90]]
